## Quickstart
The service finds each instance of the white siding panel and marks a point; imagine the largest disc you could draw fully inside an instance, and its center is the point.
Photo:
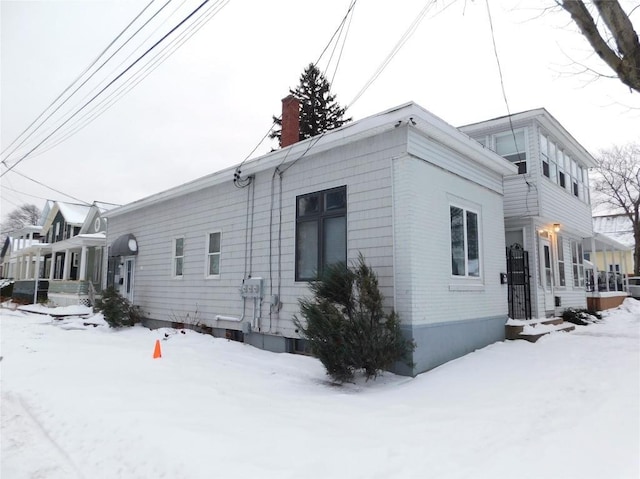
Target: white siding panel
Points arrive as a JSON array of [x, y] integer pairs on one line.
[[422, 194], [564, 208], [364, 167]]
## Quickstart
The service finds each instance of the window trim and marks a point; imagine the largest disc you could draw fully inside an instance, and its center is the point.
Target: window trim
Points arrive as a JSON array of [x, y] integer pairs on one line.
[[174, 257], [512, 133], [208, 254], [577, 266], [466, 209], [318, 218], [560, 262]]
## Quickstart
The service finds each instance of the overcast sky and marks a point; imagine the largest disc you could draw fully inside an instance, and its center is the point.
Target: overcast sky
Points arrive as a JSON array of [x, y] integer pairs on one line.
[[208, 105]]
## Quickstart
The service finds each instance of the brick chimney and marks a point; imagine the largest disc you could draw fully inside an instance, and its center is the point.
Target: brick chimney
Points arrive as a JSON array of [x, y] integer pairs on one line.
[[290, 133]]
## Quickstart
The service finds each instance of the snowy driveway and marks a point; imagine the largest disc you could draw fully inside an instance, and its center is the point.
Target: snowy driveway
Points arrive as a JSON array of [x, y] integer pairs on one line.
[[82, 402]]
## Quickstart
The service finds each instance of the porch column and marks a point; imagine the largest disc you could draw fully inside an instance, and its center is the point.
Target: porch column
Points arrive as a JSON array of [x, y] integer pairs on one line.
[[623, 268], [29, 272], [83, 264], [52, 270], [67, 264], [607, 265], [36, 276]]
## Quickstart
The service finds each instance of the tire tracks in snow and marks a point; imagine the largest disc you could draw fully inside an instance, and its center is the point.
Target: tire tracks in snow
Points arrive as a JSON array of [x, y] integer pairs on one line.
[[21, 430]]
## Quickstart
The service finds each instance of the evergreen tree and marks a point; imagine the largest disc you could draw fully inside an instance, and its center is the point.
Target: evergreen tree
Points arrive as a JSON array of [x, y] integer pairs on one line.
[[319, 111], [347, 327]]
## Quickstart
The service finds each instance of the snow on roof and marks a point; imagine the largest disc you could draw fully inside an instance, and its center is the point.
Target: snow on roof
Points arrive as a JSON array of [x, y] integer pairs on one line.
[[73, 213], [617, 227], [102, 206]]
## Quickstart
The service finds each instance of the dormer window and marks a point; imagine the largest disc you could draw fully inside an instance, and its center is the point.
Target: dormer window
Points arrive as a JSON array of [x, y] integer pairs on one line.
[[511, 146]]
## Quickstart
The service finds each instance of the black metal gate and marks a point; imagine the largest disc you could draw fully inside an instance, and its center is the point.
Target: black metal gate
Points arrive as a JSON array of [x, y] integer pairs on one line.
[[518, 282]]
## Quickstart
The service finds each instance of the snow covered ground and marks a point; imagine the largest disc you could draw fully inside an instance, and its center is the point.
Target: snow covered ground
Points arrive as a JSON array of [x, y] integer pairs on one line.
[[84, 401]]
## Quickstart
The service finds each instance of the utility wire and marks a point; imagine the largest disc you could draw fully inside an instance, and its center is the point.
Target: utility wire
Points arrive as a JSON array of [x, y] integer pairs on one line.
[[110, 83], [73, 83], [106, 103], [51, 188], [398, 46]]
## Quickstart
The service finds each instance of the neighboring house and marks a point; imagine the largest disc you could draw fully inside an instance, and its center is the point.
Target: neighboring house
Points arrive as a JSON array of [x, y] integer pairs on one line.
[[67, 259], [619, 228], [547, 209], [234, 251]]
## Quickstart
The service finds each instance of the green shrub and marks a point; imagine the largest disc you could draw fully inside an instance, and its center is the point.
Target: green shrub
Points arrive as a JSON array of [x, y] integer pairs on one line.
[[117, 310], [581, 317], [346, 326]]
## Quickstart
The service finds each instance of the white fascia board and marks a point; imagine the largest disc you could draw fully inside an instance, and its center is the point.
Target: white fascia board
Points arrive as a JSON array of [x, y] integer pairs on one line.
[[349, 133]]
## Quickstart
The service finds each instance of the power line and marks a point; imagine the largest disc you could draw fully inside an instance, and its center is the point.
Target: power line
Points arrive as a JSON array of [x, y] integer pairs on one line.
[[49, 187], [129, 84], [73, 83], [106, 87]]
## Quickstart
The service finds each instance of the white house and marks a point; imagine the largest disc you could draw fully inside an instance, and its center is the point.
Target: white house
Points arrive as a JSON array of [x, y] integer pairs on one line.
[[546, 206], [65, 257], [233, 251]]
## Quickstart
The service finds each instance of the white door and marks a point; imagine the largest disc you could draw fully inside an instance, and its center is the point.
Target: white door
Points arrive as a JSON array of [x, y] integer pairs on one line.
[[546, 270], [126, 289]]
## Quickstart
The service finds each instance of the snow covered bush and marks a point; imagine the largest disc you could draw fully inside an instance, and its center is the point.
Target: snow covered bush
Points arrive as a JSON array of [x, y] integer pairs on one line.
[[346, 326], [117, 310], [581, 317]]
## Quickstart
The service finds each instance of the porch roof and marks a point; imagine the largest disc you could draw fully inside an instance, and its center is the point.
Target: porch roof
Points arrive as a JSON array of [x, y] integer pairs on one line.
[[603, 243]]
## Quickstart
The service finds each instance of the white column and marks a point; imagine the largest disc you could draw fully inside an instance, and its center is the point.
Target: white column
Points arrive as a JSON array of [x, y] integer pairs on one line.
[[52, 269], [29, 272], [36, 276], [67, 264], [83, 264]]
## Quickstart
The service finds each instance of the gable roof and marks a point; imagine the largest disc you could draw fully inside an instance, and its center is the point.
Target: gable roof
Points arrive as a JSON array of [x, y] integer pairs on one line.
[[409, 114], [547, 120], [74, 214]]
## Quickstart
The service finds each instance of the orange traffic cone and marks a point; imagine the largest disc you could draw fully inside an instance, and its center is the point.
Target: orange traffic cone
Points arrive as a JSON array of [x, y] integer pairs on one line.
[[157, 353]]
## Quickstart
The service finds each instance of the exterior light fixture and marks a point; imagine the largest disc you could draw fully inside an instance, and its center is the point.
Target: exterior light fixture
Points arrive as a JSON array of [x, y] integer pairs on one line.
[[556, 227]]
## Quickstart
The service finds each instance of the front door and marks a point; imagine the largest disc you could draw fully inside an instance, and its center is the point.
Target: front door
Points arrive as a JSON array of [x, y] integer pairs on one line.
[[126, 289], [546, 271]]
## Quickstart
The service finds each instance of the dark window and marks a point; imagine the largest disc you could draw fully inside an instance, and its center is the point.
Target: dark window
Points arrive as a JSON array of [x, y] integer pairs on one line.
[[545, 169], [575, 189], [321, 231], [561, 177]]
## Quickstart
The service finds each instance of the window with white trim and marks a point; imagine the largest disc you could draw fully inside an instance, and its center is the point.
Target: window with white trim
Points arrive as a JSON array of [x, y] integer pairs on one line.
[[560, 261], [213, 254], [511, 146], [178, 257], [578, 265], [321, 232], [465, 242]]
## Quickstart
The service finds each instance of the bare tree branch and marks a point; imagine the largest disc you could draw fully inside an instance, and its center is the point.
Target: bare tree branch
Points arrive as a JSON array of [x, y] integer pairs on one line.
[[617, 183], [624, 59]]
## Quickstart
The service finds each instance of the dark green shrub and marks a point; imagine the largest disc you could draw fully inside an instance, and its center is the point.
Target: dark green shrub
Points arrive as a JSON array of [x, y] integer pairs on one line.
[[581, 317], [117, 310], [346, 326]]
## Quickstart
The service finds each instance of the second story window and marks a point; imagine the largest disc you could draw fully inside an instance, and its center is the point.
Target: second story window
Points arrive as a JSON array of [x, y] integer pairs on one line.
[[511, 146]]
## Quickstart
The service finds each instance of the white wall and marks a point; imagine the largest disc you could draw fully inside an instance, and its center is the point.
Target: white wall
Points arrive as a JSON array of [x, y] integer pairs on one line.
[[426, 292]]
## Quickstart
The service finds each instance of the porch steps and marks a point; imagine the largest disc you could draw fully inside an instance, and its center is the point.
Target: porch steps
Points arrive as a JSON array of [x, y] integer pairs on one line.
[[533, 330]]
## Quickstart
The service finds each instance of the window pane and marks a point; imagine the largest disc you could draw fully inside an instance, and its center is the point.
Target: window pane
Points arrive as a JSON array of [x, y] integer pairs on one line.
[[545, 169], [335, 240], [472, 244], [543, 146], [308, 205], [335, 200], [179, 246], [457, 241], [214, 264], [214, 243], [505, 144], [307, 249], [178, 271]]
